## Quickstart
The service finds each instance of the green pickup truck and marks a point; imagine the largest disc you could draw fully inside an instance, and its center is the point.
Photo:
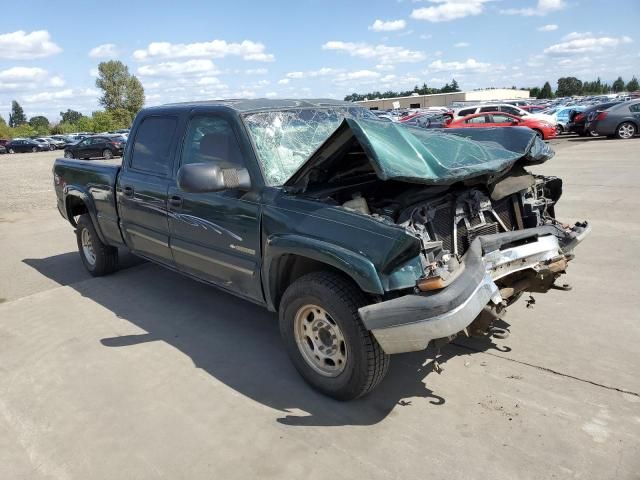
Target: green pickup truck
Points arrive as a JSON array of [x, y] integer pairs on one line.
[[368, 237]]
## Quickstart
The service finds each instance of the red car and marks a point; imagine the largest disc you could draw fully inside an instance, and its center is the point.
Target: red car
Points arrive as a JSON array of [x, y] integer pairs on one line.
[[544, 129]]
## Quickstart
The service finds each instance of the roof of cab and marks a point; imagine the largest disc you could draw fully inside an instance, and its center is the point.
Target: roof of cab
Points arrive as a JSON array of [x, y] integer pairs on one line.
[[260, 104]]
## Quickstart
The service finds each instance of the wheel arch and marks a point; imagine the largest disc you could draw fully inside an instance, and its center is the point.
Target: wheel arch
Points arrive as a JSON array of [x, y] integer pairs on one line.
[[78, 202], [289, 257]]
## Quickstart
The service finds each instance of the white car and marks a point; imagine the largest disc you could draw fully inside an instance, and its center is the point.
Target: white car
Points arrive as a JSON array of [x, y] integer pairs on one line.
[[502, 107]]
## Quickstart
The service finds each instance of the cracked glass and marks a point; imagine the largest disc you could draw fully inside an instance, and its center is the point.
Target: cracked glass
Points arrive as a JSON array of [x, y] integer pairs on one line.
[[285, 139]]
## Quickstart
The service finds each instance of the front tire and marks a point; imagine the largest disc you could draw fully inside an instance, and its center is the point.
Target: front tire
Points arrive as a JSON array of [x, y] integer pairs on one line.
[[539, 134], [107, 154], [34, 149], [68, 154], [99, 259], [626, 130], [325, 338], [11, 150]]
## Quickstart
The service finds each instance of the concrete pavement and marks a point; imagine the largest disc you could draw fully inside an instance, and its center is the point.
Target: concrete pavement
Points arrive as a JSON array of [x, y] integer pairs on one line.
[[146, 374]]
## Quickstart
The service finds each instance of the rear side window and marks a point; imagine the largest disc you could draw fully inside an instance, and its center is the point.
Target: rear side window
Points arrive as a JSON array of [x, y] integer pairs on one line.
[[635, 108], [152, 145], [468, 111]]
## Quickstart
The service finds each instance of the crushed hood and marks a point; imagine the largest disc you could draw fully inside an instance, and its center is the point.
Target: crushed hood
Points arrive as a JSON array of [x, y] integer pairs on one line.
[[418, 155]]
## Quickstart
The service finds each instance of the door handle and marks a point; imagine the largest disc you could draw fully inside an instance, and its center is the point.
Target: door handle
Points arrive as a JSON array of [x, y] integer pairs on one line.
[[128, 191], [175, 201]]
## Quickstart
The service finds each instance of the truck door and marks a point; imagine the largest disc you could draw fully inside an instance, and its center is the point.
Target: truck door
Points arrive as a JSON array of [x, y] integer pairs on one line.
[[142, 188], [215, 236]]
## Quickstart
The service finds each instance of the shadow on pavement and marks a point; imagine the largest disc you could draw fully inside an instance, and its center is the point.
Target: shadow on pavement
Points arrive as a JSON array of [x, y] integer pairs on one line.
[[238, 343]]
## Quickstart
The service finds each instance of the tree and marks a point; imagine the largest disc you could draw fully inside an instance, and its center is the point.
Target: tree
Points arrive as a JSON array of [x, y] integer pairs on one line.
[[121, 90], [454, 86], [633, 85], [546, 91], [17, 116], [618, 85], [70, 116], [569, 86], [40, 124], [535, 92]]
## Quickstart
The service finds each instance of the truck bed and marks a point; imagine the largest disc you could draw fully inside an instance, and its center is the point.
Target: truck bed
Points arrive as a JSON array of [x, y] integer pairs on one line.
[[91, 182]]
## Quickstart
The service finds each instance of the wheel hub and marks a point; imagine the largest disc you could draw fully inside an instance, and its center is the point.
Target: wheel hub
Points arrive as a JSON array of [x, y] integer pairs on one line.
[[87, 247], [320, 341]]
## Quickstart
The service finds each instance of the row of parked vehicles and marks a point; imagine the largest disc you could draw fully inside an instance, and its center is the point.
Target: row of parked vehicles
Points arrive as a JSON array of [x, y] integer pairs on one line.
[[592, 117], [79, 145]]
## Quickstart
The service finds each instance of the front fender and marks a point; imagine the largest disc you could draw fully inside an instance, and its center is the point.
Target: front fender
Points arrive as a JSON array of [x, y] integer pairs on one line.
[[355, 266]]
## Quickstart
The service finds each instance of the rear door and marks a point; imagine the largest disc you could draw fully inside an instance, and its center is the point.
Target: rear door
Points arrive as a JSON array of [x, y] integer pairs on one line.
[[143, 185], [216, 236]]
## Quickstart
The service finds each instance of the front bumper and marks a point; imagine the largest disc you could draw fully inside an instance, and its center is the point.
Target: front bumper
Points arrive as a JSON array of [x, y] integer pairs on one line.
[[409, 323]]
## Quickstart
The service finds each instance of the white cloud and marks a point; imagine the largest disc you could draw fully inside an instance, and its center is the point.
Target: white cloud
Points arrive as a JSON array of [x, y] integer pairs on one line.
[[357, 75], [56, 81], [447, 10], [283, 81], [322, 72], [461, 45], [27, 46], [60, 94], [271, 94], [22, 74], [388, 26], [256, 71], [470, 65], [543, 7], [382, 53], [176, 69], [548, 28], [106, 50], [580, 43], [246, 49]]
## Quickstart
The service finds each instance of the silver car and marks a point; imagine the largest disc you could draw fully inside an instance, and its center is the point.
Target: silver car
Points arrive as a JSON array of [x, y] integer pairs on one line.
[[622, 121]]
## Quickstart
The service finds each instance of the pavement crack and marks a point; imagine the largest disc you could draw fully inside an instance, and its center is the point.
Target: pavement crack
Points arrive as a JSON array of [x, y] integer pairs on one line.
[[549, 370]]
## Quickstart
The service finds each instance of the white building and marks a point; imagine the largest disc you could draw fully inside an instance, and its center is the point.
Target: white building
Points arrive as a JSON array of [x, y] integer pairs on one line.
[[445, 99]]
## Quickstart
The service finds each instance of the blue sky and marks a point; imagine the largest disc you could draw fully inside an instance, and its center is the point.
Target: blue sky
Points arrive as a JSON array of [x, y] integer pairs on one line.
[[190, 50]]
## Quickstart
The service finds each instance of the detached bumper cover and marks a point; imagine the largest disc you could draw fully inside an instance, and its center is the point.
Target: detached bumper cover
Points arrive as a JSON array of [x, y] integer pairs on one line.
[[409, 323]]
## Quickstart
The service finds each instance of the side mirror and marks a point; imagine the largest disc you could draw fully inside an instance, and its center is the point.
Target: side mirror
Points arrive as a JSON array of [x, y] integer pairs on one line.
[[207, 177]]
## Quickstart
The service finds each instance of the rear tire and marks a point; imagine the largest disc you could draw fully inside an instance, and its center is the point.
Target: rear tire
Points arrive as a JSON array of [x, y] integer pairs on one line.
[[626, 130], [68, 154], [52, 148], [107, 154], [34, 149], [99, 259], [325, 338], [11, 150]]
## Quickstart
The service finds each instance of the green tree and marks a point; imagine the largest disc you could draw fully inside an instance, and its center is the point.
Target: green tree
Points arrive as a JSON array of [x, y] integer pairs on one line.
[[23, 130], [70, 116], [546, 91], [633, 85], [17, 116], [618, 85], [120, 89], [534, 92], [40, 124], [569, 86]]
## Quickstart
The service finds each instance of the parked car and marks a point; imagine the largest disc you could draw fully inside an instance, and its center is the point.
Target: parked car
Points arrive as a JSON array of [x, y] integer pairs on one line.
[[56, 142], [622, 121], [26, 145], [368, 238], [3, 149], [563, 116], [543, 129], [105, 146], [64, 139], [427, 120], [4, 141], [502, 107], [578, 124], [42, 141]]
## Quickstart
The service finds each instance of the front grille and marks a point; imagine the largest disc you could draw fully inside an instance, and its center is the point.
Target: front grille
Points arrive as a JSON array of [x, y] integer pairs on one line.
[[441, 225]]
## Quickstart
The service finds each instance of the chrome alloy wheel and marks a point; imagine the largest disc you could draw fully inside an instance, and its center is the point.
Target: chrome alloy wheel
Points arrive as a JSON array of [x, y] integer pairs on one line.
[[320, 341], [626, 130], [87, 247]]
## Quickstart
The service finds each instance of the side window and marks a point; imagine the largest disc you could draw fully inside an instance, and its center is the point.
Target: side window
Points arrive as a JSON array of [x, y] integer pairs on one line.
[[489, 109], [478, 119], [152, 145], [468, 111], [497, 118], [511, 110], [635, 108], [210, 139]]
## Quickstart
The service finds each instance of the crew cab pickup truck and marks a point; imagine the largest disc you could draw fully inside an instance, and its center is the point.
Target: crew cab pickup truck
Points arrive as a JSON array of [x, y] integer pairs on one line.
[[369, 238]]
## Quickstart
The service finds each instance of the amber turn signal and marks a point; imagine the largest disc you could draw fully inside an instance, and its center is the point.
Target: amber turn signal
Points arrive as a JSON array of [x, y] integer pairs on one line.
[[430, 283]]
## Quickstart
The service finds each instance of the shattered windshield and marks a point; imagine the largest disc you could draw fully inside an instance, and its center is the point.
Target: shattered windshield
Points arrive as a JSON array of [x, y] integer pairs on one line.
[[284, 139]]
